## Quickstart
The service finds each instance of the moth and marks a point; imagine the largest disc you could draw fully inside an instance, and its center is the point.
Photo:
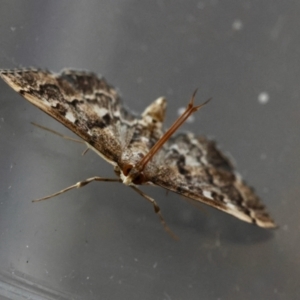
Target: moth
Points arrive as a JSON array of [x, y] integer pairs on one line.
[[140, 150]]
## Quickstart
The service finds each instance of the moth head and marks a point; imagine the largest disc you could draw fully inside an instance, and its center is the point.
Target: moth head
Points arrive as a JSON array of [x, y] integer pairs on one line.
[[131, 175]]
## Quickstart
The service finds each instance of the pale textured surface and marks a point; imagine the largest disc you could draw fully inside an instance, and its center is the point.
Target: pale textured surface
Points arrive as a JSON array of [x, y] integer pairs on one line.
[[104, 241]]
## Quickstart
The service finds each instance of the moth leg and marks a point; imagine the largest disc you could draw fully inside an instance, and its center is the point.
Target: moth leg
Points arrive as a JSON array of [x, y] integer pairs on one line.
[[79, 185], [157, 211], [57, 133], [62, 135]]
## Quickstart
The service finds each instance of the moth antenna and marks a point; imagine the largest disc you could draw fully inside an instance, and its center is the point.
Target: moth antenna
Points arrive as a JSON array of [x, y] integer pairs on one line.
[[190, 109]]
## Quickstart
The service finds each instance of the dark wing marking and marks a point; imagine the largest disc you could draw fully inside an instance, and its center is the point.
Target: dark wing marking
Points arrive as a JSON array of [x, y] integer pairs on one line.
[[195, 168], [81, 101]]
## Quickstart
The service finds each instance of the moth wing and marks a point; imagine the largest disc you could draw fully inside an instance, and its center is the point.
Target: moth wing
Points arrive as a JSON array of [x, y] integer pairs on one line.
[[81, 101], [195, 168]]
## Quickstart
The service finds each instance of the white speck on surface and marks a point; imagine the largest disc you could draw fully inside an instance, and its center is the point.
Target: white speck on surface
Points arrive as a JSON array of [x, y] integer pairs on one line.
[[136, 260], [263, 98], [9, 187], [154, 265], [237, 25], [181, 110], [263, 156], [27, 246], [87, 278], [285, 227], [13, 28]]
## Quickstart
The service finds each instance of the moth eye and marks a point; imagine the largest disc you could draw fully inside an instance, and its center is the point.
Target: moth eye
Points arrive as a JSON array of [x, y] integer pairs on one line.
[[139, 179], [126, 169]]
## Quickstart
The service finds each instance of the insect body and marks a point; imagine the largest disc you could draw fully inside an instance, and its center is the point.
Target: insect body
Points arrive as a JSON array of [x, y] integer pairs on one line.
[[137, 146]]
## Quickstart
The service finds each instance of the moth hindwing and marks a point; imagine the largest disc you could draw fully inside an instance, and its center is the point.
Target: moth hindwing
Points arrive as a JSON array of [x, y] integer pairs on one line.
[[137, 146]]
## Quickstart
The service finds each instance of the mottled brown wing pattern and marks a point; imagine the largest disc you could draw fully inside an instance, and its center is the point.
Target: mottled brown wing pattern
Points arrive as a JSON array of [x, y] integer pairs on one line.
[[81, 101], [195, 168]]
